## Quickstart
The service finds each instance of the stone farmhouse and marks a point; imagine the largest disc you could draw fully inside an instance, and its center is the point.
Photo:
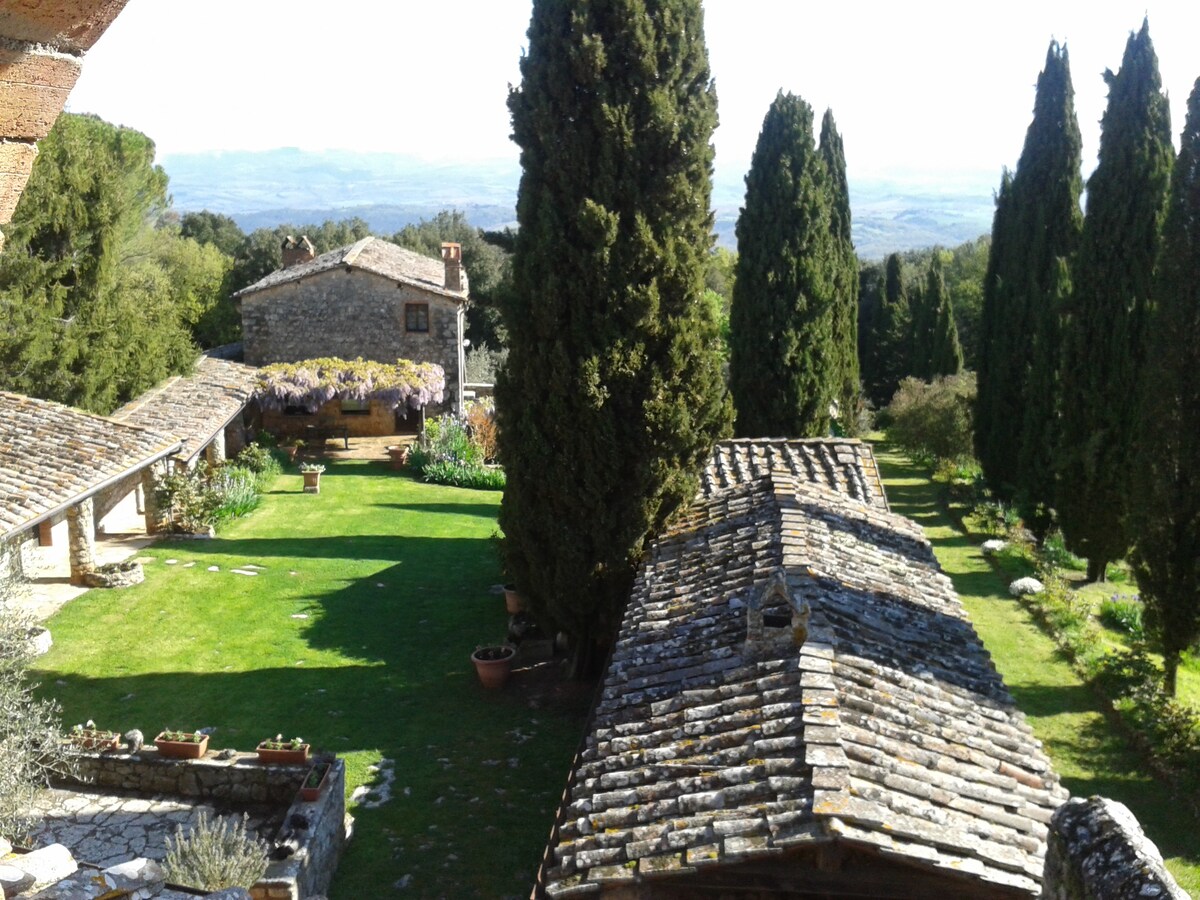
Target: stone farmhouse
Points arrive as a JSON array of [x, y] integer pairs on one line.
[[372, 300], [797, 705]]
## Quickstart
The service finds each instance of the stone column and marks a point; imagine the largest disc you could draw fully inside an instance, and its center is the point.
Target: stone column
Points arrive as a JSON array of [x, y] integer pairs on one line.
[[150, 501], [139, 498], [81, 540], [216, 449]]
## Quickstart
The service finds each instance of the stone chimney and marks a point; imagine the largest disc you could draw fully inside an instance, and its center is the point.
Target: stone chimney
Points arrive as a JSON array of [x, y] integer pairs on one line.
[[452, 257], [295, 251]]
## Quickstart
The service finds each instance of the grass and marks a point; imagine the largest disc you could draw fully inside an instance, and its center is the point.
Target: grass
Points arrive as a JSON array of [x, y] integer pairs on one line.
[[1063, 712], [355, 634]]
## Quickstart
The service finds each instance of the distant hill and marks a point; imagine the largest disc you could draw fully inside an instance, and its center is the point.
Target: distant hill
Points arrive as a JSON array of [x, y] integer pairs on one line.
[[267, 188]]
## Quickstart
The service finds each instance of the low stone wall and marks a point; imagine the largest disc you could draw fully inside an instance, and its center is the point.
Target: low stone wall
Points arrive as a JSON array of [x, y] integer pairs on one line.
[[314, 832], [1096, 850]]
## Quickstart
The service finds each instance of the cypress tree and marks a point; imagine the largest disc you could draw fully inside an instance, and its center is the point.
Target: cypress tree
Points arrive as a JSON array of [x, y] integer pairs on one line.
[[895, 329], [1037, 224], [1165, 513], [945, 350], [845, 323], [924, 304], [784, 365], [612, 394], [1104, 326]]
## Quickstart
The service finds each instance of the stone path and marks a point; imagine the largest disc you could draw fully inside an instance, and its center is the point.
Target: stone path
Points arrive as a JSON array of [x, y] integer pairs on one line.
[[106, 829]]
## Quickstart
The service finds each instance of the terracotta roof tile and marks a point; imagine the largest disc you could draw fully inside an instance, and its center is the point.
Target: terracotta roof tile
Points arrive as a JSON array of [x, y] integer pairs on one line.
[[887, 727], [371, 254], [52, 456], [195, 406]]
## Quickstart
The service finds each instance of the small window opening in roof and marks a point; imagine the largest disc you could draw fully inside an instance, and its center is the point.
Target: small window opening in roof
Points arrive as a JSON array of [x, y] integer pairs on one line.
[[776, 616]]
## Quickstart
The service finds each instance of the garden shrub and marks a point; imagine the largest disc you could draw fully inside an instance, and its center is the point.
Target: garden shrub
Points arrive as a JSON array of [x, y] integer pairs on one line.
[[236, 489], [482, 364], [186, 501], [481, 425], [448, 453], [215, 854], [260, 460], [1123, 613], [931, 421], [1055, 553]]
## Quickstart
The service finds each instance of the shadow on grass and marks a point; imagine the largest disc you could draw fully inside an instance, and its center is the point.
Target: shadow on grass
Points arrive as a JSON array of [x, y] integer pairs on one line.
[[357, 546], [484, 510]]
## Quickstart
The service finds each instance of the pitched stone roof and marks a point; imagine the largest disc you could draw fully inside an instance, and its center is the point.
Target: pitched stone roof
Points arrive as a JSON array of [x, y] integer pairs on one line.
[[194, 407], [845, 465], [371, 254], [52, 456], [718, 740]]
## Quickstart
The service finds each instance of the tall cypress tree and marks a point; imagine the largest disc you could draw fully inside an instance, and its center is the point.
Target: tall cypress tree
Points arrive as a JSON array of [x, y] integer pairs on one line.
[[1036, 226], [924, 304], [1165, 508], [785, 365], [895, 330], [945, 349], [845, 321], [1104, 326], [612, 394]]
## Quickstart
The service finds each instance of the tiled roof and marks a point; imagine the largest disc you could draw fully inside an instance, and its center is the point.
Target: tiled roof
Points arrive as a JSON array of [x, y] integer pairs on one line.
[[843, 464], [52, 456], [194, 407], [370, 254], [886, 732]]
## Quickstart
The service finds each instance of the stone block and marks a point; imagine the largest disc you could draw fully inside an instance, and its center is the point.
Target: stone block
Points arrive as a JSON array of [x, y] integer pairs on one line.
[[33, 88], [13, 880], [134, 875], [70, 25], [16, 162], [46, 864]]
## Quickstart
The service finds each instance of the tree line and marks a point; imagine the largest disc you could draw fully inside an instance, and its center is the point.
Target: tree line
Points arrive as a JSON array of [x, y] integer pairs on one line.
[[1088, 412]]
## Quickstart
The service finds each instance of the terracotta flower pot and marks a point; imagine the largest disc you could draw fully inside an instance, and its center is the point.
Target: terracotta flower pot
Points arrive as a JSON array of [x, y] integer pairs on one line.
[[312, 482], [513, 601], [493, 665], [283, 757], [398, 453], [314, 782], [181, 749]]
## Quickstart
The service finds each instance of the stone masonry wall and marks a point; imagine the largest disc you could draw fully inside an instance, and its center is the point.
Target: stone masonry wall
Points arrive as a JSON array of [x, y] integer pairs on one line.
[[348, 314], [1097, 851], [379, 421], [309, 870]]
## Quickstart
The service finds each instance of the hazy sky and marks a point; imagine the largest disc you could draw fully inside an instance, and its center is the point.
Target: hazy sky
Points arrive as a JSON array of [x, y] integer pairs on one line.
[[922, 91]]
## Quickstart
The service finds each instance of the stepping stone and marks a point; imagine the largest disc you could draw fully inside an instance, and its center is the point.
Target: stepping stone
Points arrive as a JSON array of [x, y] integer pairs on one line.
[[188, 565], [170, 562], [299, 615], [214, 568], [243, 571], [252, 566]]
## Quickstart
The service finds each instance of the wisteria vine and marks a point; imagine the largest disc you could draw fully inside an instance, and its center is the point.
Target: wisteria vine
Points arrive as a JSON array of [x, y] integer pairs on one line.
[[311, 383]]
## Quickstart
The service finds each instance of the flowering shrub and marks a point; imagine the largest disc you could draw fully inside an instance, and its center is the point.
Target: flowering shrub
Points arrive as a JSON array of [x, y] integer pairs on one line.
[[311, 383], [1124, 613], [215, 854], [448, 453], [481, 424]]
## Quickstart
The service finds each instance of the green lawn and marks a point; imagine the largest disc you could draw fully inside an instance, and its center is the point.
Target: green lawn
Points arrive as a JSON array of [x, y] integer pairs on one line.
[[355, 634], [1064, 713]]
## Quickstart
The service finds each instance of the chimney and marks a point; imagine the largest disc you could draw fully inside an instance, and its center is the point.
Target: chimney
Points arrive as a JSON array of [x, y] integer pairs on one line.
[[452, 257], [295, 251]]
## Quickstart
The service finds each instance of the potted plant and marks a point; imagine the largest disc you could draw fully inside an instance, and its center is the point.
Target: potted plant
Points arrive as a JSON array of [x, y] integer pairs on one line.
[[293, 449], [281, 751], [493, 664], [89, 737], [181, 744], [513, 601], [399, 455], [312, 477], [315, 780]]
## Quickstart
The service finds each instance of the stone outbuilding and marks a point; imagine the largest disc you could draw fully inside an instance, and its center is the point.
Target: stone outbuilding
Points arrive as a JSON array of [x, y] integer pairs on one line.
[[372, 300], [797, 704], [54, 460]]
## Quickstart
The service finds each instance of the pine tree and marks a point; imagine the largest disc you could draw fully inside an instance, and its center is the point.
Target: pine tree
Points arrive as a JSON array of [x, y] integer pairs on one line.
[[845, 323], [785, 366], [1036, 227], [1104, 326], [1165, 507], [612, 394], [945, 350]]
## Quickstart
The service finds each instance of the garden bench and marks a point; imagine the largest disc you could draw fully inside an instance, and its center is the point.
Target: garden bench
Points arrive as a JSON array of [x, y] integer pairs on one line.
[[323, 433]]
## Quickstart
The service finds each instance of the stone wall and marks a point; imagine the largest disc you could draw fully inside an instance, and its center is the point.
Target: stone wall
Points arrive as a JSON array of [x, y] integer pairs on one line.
[[349, 314], [1097, 851], [380, 420], [308, 871]]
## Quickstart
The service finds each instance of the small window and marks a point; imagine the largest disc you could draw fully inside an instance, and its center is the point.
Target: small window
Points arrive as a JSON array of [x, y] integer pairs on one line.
[[296, 411], [356, 407], [416, 316]]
